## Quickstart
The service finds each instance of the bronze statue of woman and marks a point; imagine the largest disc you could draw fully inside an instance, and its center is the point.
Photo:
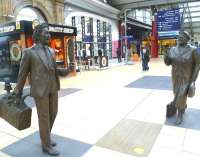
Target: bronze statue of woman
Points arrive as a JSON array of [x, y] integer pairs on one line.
[[185, 62]]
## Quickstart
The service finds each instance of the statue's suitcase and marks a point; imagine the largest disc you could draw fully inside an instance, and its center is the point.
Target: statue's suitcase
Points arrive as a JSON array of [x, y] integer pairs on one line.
[[15, 111]]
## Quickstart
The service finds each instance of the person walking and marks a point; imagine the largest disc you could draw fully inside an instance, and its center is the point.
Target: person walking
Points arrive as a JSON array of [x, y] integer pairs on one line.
[[118, 55], [145, 58], [39, 62]]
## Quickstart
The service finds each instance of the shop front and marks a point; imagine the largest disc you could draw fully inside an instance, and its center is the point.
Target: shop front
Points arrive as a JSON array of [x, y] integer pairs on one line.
[[16, 36], [94, 36]]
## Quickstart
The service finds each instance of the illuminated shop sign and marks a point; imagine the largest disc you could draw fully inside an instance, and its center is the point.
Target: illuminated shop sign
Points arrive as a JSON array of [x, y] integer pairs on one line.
[[6, 29], [58, 29]]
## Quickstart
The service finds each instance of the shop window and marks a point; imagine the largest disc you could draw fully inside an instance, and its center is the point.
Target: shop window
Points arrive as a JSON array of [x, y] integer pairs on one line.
[[29, 41], [10, 55], [71, 50], [15, 51], [30, 14], [57, 45]]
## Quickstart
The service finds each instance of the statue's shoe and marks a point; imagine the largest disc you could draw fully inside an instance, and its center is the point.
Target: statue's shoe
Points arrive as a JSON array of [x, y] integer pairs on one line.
[[184, 109], [50, 151], [179, 120], [53, 143]]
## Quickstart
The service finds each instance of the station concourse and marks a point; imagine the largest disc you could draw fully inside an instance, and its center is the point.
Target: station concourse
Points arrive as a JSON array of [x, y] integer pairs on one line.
[[113, 103], [119, 112]]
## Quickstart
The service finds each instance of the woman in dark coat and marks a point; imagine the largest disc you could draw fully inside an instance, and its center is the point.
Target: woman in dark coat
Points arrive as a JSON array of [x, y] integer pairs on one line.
[[118, 55], [145, 58]]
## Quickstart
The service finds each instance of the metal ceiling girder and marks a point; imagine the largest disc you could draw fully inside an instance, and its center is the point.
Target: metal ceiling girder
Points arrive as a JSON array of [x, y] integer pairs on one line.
[[188, 16], [95, 6], [139, 24], [148, 3], [194, 24]]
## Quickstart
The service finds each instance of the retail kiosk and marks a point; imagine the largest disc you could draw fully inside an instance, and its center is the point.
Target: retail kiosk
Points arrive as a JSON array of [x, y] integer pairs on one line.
[[16, 36]]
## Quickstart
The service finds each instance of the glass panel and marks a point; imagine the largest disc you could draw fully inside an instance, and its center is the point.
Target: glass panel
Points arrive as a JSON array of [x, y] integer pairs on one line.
[[194, 9], [70, 50], [10, 55], [78, 26], [29, 14], [57, 45], [139, 15], [195, 14], [194, 4], [195, 19]]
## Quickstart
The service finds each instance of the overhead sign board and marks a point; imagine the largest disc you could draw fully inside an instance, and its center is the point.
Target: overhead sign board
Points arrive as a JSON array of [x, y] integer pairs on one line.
[[168, 23]]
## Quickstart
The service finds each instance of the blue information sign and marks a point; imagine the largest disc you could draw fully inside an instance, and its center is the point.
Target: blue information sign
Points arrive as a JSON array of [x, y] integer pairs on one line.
[[168, 21]]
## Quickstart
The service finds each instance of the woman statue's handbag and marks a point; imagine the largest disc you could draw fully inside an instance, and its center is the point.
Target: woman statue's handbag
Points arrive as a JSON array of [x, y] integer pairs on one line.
[[191, 90], [14, 110]]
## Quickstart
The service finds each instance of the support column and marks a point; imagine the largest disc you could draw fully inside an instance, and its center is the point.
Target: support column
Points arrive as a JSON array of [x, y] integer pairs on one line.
[[98, 33], [120, 27], [74, 25], [6, 11], [154, 36], [91, 36], [110, 41], [104, 39], [59, 7], [83, 32]]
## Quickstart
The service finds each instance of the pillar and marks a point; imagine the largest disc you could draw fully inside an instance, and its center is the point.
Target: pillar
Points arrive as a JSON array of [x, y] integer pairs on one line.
[[154, 36], [59, 9], [6, 11]]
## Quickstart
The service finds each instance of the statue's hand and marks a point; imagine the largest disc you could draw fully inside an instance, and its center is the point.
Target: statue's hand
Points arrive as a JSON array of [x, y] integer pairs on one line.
[[191, 90], [16, 93], [16, 97]]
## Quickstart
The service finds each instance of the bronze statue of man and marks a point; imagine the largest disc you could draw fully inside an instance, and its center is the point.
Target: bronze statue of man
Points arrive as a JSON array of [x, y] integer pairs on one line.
[[185, 62], [39, 62]]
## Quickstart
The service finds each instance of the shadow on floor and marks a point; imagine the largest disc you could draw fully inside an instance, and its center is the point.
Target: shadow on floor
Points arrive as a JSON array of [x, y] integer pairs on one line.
[[190, 120], [63, 92], [152, 82], [67, 91], [30, 147]]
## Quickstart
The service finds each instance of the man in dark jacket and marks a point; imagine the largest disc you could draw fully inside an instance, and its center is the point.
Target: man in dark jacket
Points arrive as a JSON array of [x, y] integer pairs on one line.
[[118, 55], [145, 58]]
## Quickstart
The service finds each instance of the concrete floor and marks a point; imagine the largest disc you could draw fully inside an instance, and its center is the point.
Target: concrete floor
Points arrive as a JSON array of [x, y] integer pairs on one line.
[[114, 112]]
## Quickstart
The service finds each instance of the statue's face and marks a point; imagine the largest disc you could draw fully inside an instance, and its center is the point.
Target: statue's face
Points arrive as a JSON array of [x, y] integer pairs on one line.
[[182, 39], [45, 36]]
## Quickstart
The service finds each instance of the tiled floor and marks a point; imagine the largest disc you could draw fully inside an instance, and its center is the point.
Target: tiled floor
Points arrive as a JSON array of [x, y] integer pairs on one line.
[[116, 112], [131, 137], [152, 82]]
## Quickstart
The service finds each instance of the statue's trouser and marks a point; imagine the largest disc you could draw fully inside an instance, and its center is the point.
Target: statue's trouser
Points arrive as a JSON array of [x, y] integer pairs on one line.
[[47, 108]]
